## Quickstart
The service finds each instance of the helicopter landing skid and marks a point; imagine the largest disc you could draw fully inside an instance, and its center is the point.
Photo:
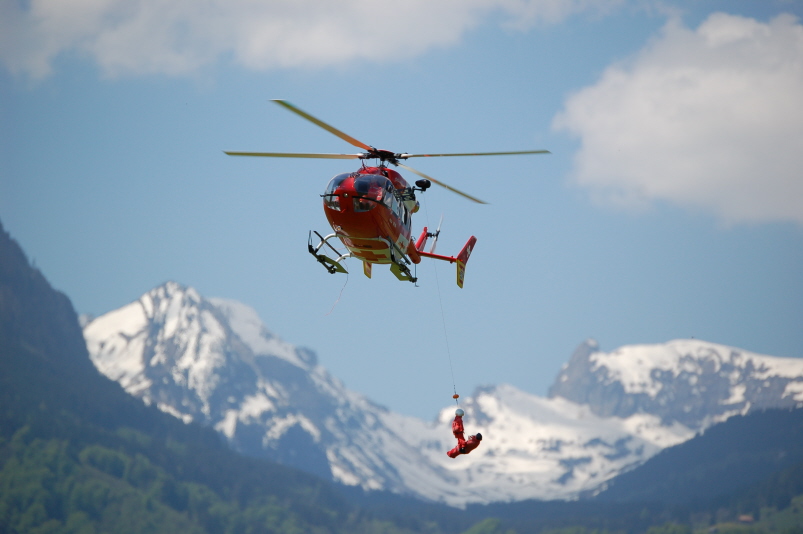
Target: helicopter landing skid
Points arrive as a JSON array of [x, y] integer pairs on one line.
[[332, 266], [402, 272], [399, 269]]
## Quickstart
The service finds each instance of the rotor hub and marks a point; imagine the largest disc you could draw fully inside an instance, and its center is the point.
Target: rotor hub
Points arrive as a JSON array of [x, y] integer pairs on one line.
[[382, 155]]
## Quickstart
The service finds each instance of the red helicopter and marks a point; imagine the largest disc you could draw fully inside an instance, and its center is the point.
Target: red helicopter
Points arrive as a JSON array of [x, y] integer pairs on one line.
[[370, 209]]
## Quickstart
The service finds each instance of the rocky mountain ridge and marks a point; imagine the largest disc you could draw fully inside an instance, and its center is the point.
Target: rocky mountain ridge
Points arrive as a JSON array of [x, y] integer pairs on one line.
[[685, 381]]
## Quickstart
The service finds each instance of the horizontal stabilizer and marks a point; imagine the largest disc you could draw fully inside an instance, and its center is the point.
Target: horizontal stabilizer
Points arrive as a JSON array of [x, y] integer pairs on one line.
[[461, 259]]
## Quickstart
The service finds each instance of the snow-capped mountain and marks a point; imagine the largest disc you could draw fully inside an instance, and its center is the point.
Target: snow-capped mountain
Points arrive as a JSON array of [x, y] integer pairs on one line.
[[686, 381], [213, 361]]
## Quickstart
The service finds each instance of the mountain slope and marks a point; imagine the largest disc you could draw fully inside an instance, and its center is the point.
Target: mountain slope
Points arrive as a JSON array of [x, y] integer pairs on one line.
[[742, 451], [213, 362], [78, 453]]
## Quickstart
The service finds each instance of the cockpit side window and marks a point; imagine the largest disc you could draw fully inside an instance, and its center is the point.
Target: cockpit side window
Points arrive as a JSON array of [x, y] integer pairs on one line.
[[335, 182], [395, 205], [330, 199], [387, 199]]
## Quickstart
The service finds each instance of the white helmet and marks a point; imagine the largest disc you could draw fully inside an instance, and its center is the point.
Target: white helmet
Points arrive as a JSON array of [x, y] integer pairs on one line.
[[459, 412]]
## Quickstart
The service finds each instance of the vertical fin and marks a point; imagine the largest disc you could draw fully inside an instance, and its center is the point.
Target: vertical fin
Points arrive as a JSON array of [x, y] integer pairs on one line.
[[462, 259], [366, 268]]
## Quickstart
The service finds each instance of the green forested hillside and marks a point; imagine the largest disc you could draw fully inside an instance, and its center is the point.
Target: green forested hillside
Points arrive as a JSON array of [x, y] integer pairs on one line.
[[727, 457]]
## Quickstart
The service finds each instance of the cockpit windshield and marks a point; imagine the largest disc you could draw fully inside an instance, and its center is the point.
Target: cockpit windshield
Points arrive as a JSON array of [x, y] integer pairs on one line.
[[370, 186], [369, 190]]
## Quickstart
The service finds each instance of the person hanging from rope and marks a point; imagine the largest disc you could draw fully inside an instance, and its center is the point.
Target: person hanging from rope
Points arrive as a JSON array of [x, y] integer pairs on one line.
[[464, 446]]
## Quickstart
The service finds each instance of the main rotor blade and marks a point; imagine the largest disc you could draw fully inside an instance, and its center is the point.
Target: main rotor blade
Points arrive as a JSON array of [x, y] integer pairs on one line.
[[405, 156], [330, 129], [434, 181], [295, 155]]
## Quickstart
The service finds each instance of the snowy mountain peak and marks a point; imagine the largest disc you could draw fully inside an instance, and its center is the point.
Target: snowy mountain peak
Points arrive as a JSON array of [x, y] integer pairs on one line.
[[178, 350], [689, 381]]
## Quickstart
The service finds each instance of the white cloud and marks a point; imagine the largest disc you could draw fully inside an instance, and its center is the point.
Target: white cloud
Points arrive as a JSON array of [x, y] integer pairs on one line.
[[710, 118], [177, 37]]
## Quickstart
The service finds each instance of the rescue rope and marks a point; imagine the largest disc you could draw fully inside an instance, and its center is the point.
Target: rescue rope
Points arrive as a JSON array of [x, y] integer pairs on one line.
[[443, 319], [446, 337], [339, 296]]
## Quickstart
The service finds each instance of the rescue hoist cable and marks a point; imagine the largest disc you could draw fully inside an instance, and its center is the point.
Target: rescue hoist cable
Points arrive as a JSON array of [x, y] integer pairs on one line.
[[339, 296], [446, 337], [443, 320]]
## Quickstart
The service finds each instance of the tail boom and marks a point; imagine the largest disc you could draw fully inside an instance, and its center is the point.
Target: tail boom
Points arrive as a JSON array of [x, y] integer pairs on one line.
[[461, 259]]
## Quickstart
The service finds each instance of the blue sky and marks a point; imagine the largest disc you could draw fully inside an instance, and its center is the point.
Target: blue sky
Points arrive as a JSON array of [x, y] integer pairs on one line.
[[671, 205]]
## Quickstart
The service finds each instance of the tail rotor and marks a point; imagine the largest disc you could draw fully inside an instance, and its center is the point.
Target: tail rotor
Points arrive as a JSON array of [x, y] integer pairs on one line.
[[435, 236]]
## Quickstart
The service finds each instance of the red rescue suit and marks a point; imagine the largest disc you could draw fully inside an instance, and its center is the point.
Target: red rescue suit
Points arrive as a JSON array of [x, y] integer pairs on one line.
[[464, 446]]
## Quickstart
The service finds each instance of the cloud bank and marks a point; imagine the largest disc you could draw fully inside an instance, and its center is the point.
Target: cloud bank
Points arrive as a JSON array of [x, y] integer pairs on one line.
[[177, 37], [710, 118]]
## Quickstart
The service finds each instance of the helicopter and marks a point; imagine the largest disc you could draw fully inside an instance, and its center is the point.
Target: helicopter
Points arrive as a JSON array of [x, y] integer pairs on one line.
[[370, 209]]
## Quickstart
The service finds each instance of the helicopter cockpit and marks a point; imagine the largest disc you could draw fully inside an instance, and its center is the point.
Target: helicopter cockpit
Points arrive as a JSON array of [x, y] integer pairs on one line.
[[367, 191]]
